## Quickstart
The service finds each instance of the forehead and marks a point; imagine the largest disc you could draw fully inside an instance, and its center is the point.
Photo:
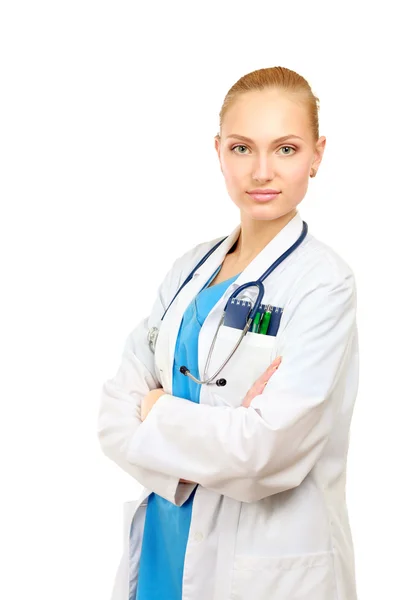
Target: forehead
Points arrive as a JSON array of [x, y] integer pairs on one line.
[[264, 115]]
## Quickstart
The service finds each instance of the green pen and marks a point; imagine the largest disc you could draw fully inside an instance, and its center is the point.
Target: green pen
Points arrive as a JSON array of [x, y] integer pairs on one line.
[[265, 322], [256, 323]]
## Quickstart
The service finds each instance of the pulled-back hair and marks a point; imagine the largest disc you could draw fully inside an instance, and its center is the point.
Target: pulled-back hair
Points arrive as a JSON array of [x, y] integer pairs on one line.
[[280, 79]]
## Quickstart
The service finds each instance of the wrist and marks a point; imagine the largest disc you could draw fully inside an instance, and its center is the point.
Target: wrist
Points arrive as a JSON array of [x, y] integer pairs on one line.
[[149, 401]]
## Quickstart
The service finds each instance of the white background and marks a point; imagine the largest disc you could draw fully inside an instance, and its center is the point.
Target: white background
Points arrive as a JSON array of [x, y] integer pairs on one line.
[[108, 172]]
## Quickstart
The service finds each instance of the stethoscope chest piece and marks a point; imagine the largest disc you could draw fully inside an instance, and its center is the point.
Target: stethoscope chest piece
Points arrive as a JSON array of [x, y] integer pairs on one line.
[[152, 338], [221, 382]]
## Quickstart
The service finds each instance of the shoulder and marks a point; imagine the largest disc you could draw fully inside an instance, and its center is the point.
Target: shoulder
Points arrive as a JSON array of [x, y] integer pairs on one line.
[[191, 257], [317, 260], [320, 274], [186, 262]]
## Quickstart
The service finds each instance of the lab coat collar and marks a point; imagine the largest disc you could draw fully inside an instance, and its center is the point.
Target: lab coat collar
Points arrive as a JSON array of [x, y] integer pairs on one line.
[[272, 251], [286, 237], [277, 246]]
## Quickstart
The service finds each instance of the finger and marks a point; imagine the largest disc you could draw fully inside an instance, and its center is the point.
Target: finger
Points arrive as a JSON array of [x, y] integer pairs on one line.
[[246, 402], [274, 365], [259, 385], [266, 376], [270, 371]]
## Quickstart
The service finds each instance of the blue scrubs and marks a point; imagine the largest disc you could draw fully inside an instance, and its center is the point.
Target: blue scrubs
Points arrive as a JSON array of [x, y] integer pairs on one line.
[[167, 526]]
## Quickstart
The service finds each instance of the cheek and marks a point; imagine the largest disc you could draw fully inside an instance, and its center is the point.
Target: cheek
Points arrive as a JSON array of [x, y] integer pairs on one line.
[[233, 179], [299, 172], [234, 171], [235, 183]]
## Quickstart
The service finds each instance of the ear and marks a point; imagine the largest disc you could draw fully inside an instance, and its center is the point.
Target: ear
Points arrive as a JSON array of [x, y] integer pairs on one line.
[[319, 152], [217, 145]]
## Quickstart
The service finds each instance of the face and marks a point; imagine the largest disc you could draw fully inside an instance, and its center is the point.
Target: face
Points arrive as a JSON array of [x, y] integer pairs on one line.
[[262, 162]]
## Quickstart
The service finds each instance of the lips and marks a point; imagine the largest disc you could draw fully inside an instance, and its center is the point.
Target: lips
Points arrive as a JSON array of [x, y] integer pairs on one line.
[[263, 196], [263, 191]]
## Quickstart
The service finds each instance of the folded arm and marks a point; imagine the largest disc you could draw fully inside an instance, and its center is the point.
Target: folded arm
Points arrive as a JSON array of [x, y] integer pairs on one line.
[[251, 453], [121, 396]]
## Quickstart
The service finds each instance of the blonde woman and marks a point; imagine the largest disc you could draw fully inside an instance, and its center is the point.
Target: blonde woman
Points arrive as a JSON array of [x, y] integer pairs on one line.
[[244, 467]]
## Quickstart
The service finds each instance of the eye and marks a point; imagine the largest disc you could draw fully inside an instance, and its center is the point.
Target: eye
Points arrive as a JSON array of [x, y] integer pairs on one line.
[[242, 146], [238, 146], [290, 148]]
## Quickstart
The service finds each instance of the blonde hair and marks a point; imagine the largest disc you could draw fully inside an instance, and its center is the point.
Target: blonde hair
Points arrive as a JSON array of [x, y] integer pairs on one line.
[[275, 78]]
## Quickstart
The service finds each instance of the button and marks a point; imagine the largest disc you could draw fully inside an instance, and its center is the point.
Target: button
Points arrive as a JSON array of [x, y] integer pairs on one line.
[[198, 536]]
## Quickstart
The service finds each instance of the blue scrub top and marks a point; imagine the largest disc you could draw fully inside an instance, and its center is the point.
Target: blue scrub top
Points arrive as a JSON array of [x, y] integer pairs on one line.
[[167, 526]]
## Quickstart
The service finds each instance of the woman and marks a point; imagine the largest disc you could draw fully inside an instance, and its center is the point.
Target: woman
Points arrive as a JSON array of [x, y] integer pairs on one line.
[[244, 484]]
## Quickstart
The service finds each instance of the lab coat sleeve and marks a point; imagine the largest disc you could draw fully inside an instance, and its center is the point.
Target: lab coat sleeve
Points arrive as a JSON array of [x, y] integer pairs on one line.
[[121, 396], [252, 453]]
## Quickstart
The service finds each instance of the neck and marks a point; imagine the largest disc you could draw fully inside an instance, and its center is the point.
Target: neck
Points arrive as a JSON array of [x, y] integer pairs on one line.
[[255, 235]]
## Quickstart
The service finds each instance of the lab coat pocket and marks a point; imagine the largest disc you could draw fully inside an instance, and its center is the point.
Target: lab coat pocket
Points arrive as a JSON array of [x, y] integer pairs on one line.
[[253, 356], [304, 577]]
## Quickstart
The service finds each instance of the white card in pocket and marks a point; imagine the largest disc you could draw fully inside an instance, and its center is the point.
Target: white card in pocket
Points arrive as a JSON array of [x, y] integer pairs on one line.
[[251, 359]]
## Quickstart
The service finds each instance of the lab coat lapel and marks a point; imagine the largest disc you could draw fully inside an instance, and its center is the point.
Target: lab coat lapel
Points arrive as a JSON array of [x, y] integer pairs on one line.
[[201, 275], [273, 250], [165, 347]]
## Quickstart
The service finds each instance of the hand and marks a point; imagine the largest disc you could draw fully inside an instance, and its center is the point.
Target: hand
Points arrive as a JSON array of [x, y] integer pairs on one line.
[[259, 385], [147, 404], [256, 389], [149, 401]]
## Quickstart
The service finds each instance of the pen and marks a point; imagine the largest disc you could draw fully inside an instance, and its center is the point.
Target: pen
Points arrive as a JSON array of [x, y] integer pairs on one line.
[[256, 323], [265, 322]]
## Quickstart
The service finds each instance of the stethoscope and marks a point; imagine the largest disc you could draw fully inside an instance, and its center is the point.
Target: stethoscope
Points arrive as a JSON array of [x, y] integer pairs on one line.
[[153, 333]]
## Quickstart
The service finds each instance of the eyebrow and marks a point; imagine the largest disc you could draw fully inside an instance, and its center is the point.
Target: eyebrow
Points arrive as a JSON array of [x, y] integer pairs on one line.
[[280, 139]]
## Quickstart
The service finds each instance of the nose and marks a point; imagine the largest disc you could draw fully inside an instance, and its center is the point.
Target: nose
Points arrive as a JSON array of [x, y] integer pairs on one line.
[[263, 168]]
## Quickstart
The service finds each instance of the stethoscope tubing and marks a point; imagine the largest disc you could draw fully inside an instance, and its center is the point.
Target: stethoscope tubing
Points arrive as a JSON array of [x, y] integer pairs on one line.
[[190, 276], [259, 284]]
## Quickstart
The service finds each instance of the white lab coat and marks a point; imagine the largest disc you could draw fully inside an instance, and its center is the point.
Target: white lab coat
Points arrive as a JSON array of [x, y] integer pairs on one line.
[[269, 515]]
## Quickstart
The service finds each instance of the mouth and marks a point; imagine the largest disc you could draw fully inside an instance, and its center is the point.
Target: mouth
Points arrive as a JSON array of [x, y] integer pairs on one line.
[[263, 195]]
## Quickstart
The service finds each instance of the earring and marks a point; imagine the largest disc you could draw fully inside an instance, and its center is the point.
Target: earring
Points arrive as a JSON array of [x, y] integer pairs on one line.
[[313, 173]]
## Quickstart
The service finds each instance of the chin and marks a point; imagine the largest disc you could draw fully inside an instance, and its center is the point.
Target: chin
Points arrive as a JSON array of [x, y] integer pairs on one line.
[[263, 213]]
